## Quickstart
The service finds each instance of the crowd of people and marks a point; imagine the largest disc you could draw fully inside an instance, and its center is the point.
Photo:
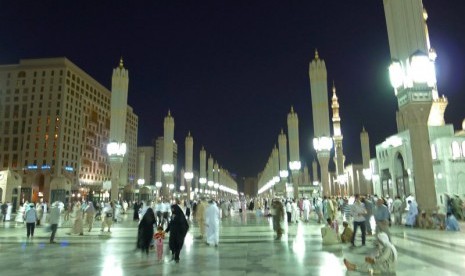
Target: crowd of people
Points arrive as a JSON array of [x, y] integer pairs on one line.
[[156, 218]]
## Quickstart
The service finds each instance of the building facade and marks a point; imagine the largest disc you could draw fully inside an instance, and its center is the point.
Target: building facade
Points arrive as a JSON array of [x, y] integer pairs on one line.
[[55, 122]]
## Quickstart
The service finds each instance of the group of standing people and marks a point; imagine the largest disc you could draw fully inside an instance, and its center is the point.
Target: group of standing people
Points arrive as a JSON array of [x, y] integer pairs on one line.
[[177, 227]]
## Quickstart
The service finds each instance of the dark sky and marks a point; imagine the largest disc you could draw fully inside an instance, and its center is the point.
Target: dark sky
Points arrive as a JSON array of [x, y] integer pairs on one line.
[[230, 70]]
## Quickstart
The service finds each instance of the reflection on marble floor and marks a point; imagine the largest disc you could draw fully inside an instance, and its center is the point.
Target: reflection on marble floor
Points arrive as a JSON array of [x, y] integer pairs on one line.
[[247, 247]]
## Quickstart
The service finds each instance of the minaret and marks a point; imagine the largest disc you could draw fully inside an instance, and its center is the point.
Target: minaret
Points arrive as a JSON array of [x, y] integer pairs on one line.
[[117, 146], [412, 74], [339, 157], [322, 142], [168, 162], [294, 156], [283, 172], [189, 174], [365, 146]]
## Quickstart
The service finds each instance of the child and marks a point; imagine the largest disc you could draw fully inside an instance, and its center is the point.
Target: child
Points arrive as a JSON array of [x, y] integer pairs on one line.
[[346, 235], [159, 236]]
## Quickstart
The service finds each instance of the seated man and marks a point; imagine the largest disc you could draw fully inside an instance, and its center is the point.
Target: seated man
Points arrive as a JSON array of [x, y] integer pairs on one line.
[[384, 262], [347, 233], [329, 234], [451, 223], [425, 221]]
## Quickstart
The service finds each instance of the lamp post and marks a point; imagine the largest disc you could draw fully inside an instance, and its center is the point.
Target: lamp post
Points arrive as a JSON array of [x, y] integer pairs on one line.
[[188, 175], [203, 170], [323, 146], [116, 152], [294, 156], [168, 144]]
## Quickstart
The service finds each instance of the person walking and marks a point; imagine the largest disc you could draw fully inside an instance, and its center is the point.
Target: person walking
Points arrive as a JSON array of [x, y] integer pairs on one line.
[[200, 215], [145, 230], [397, 210], [54, 219], [177, 227], [3, 208], [31, 218], [278, 217], [78, 227], [358, 212], [107, 217], [212, 222], [382, 215], [90, 214]]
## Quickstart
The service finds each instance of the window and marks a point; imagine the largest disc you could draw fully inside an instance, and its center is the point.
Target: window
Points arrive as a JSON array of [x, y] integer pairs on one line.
[[456, 152]]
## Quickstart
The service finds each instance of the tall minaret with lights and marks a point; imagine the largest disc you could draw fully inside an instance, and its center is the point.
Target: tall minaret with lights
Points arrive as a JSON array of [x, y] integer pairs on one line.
[[322, 141], [413, 76], [339, 157], [116, 147]]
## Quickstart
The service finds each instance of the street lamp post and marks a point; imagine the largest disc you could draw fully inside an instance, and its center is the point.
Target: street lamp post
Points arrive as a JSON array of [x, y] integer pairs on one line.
[[116, 152]]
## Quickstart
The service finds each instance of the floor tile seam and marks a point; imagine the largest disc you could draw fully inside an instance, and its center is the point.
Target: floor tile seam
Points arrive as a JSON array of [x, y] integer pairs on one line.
[[435, 245]]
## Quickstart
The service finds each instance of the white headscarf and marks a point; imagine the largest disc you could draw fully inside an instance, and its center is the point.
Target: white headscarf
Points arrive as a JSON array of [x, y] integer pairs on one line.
[[384, 239]]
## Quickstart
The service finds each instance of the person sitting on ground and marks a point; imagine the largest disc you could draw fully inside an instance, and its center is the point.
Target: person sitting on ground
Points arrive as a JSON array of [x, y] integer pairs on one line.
[[438, 221], [425, 221], [329, 234], [384, 262], [347, 233], [451, 223]]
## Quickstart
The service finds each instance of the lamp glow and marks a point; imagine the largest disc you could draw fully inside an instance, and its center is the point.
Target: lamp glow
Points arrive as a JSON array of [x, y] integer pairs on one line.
[[202, 180], [167, 168], [158, 184], [188, 175], [283, 173], [396, 74]]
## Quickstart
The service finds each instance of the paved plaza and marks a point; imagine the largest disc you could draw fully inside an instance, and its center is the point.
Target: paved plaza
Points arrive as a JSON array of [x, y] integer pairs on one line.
[[247, 247]]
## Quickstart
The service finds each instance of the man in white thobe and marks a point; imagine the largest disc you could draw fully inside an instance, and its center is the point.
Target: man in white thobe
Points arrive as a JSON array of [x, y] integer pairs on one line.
[[212, 222], [306, 208]]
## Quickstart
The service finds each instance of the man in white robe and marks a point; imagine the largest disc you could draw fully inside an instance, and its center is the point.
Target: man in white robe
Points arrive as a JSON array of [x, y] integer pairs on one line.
[[212, 222], [412, 214]]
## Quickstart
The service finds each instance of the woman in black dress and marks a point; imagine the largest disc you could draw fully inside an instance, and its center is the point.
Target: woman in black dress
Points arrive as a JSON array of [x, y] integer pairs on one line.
[[178, 228], [145, 231], [135, 215]]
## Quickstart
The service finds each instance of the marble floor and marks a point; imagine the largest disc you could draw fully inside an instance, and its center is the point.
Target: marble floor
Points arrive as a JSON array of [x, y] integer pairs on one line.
[[247, 247]]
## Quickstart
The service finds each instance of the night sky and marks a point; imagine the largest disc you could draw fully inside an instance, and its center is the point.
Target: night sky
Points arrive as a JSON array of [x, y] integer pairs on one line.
[[229, 71]]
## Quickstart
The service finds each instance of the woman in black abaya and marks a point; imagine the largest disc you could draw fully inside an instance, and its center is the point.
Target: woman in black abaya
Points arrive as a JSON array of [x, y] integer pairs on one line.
[[178, 228], [145, 231]]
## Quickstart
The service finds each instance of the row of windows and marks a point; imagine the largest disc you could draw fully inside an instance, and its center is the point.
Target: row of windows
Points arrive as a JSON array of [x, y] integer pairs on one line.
[[457, 149]]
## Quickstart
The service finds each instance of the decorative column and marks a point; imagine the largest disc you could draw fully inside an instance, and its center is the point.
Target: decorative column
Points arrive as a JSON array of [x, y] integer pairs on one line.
[[413, 76], [283, 172], [294, 156], [116, 149], [322, 143], [367, 173], [168, 162], [210, 181], [216, 178], [203, 170], [189, 174], [158, 177]]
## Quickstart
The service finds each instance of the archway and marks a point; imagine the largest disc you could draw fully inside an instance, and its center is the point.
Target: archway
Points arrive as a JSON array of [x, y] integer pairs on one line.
[[38, 188], [401, 177]]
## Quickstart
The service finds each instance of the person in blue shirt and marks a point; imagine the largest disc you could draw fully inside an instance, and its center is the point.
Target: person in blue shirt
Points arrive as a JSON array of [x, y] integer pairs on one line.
[[451, 223], [382, 216]]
